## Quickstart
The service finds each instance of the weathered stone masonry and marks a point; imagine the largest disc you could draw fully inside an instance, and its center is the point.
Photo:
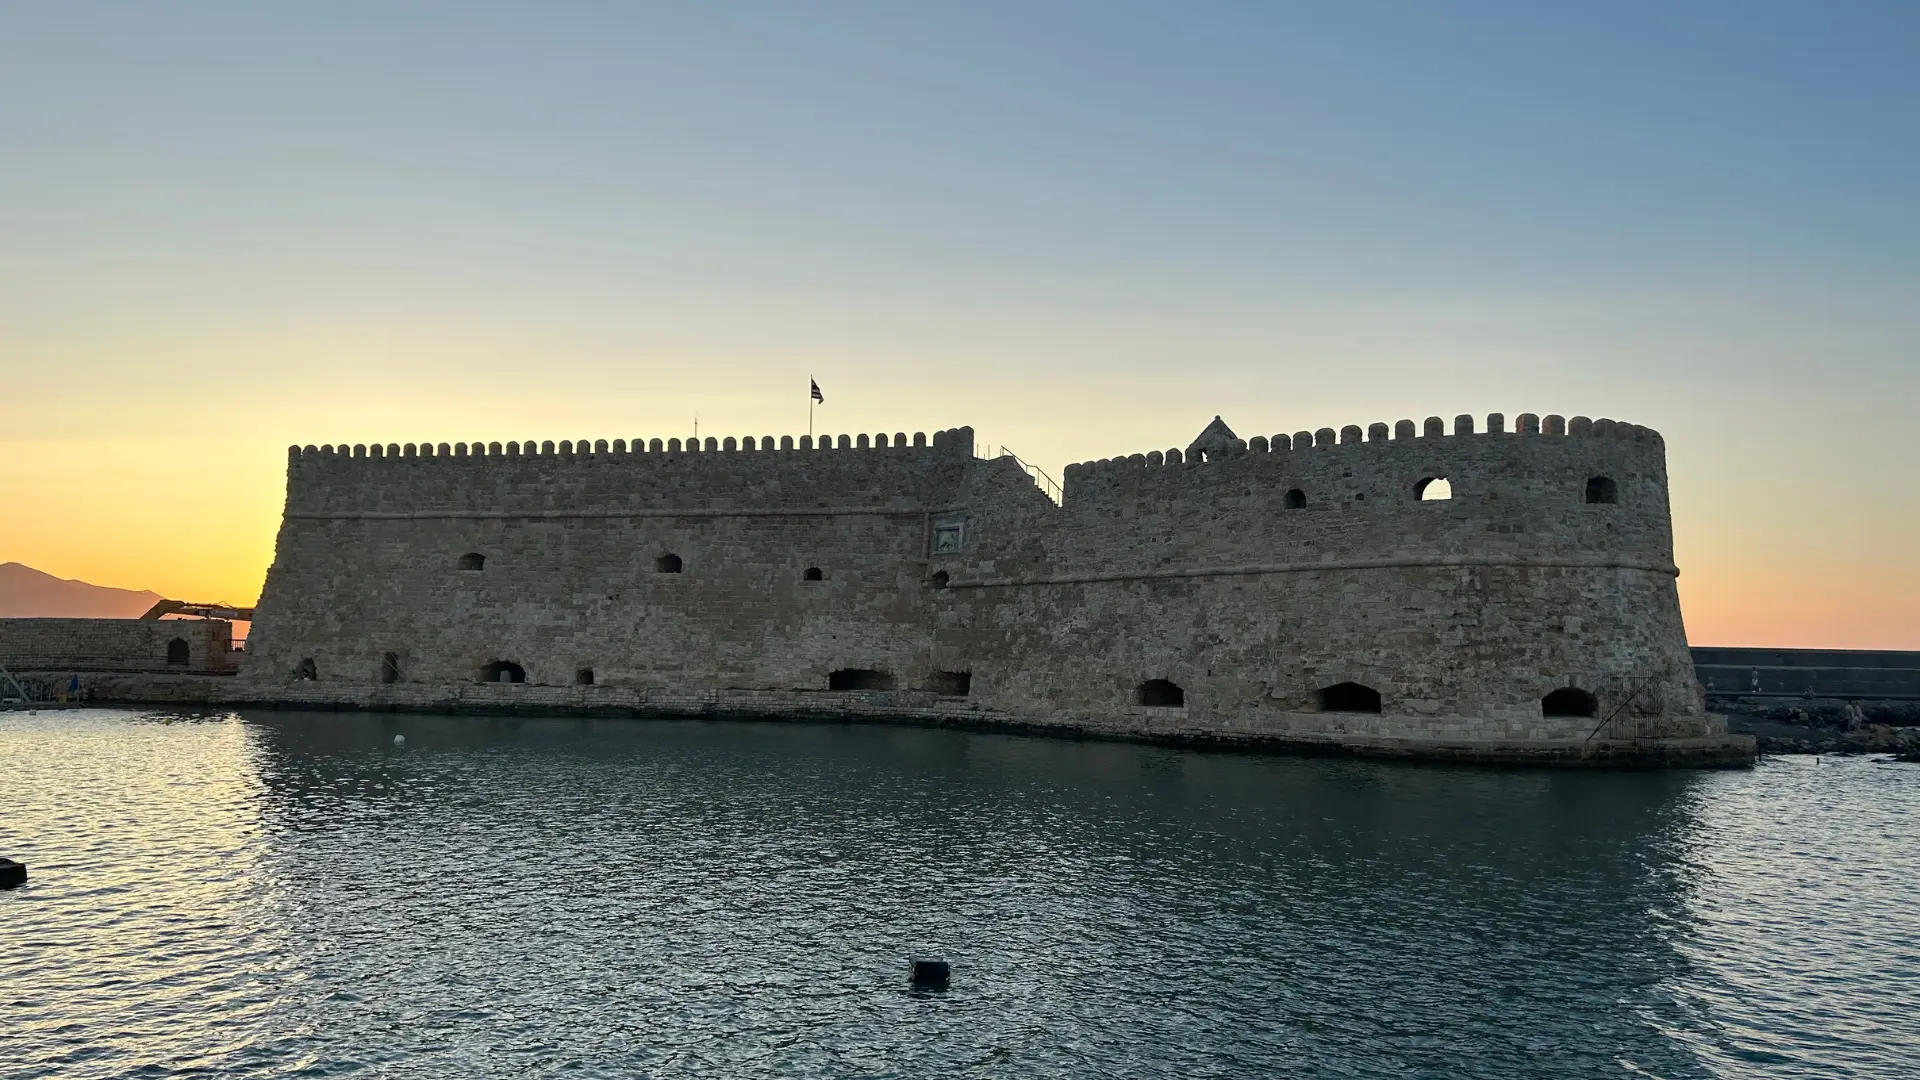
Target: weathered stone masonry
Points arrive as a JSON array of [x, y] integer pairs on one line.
[[165, 647], [1290, 591]]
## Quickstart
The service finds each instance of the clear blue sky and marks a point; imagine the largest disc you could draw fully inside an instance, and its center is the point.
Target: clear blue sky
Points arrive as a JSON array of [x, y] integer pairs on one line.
[[1082, 228]]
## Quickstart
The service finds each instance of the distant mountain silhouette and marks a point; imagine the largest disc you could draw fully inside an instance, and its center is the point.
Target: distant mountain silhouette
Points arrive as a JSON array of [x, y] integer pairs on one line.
[[26, 593]]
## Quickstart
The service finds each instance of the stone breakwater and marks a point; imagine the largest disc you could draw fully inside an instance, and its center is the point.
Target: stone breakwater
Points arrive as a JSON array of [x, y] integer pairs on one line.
[[1825, 726], [1302, 591]]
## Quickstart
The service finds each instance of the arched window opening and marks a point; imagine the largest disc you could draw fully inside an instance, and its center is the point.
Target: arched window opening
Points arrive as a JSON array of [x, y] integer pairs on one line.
[[939, 580], [306, 671], [583, 676], [859, 679], [1601, 489], [668, 564], [472, 560], [1349, 697], [813, 574], [1161, 694], [1569, 701], [505, 671], [390, 668], [1433, 489], [1295, 500], [177, 652], [951, 683]]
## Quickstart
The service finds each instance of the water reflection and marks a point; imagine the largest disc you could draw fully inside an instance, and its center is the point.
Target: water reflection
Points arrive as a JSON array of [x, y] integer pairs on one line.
[[284, 894], [761, 885]]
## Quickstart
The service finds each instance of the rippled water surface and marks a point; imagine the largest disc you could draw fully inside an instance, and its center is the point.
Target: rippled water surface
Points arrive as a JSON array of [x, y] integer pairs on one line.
[[280, 894]]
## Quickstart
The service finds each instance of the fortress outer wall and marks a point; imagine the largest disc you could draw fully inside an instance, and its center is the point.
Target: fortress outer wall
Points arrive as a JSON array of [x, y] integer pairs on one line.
[[1235, 593]]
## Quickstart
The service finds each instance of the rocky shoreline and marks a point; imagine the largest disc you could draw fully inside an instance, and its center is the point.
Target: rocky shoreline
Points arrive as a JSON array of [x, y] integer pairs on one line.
[[1825, 726]]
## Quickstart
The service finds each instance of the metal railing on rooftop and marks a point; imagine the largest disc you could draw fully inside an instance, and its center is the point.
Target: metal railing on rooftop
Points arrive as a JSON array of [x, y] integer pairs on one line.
[[1048, 485]]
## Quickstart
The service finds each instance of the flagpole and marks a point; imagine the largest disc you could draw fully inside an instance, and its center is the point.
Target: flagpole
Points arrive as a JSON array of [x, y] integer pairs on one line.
[[809, 406]]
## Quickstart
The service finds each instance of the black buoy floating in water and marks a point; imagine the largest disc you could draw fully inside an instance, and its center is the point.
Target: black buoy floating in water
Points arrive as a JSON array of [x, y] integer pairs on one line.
[[12, 873], [930, 972]]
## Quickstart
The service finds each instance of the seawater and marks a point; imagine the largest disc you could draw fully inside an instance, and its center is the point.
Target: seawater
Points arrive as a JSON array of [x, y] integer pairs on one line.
[[280, 894]]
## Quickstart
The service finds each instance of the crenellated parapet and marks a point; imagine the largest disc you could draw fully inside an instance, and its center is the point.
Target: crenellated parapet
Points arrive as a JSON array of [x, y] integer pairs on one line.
[[951, 439], [1546, 488], [1359, 469], [1352, 435], [608, 476]]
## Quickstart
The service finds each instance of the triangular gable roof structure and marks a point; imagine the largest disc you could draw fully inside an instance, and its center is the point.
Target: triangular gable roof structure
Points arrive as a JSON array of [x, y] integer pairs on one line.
[[1216, 440]]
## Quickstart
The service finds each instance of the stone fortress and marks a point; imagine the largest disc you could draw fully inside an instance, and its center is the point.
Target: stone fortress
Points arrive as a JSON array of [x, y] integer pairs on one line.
[[1299, 592]]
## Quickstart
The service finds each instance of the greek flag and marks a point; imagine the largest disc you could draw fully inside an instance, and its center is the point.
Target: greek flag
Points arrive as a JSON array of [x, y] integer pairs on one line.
[[817, 395]]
